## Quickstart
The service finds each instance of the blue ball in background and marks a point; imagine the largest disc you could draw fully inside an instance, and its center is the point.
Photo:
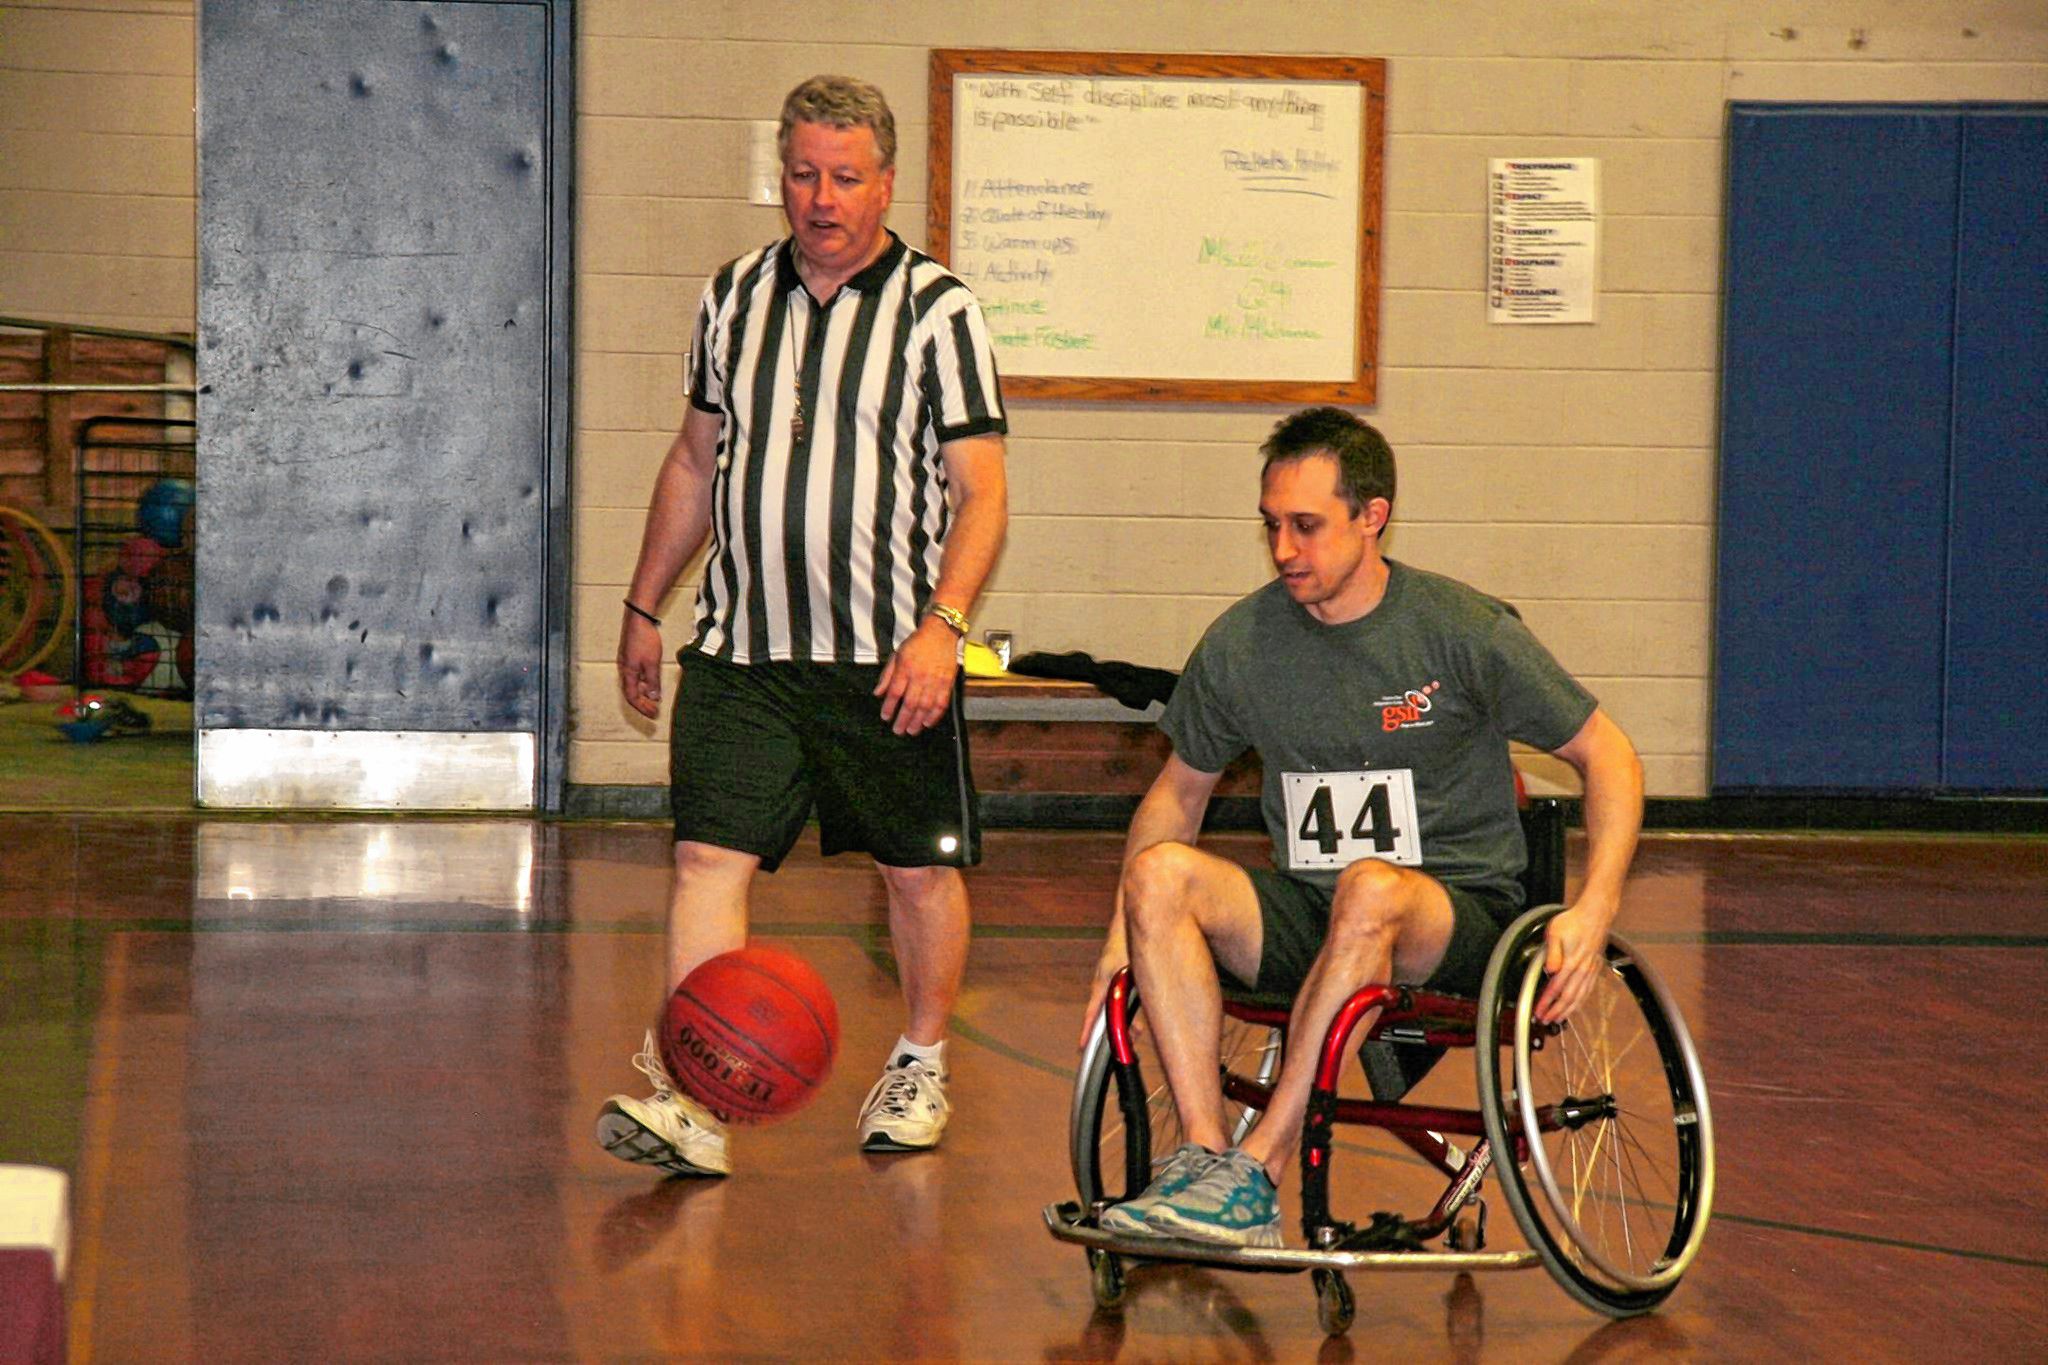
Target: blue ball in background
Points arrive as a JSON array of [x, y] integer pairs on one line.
[[164, 512]]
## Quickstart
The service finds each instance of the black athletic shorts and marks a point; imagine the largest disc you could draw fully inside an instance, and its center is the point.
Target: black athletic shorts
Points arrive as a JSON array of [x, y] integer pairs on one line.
[[1296, 918], [754, 747]]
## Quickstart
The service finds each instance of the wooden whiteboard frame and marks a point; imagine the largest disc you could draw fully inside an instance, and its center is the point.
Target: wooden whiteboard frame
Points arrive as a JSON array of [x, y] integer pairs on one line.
[[1370, 73]]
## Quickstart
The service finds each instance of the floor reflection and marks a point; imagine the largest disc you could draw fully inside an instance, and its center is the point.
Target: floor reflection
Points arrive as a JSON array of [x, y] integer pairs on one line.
[[326, 1090], [470, 862]]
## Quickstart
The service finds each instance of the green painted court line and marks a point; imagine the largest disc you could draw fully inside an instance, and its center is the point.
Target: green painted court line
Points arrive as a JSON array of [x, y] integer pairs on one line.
[[1868, 1239], [1742, 938], [651, 927], [981, 1039], [872, 938], [876, 949], [353, 924], [1047, 933], [969, 1033]]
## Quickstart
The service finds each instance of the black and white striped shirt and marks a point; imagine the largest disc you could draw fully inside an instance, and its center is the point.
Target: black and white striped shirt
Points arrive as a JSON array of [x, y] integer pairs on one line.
[[828, 510]]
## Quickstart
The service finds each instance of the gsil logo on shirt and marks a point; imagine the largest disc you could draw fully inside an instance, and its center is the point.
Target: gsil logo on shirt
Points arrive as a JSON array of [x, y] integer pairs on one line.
[[1406, 711]]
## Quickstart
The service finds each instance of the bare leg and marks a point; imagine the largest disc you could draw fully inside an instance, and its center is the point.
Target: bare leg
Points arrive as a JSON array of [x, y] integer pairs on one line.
[[707, 915], [929, 926], [1185, 910], [707, 906], [1386, 923]]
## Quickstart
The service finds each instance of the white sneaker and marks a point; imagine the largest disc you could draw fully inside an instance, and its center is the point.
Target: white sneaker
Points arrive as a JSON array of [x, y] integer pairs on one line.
[[667, 1129], [907, 1109]]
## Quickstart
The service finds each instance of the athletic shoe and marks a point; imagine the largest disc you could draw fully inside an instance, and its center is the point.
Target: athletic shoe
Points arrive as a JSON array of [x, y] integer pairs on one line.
[[907, 1109], [1232, 1203], [667, 1129], [1169, 1178]]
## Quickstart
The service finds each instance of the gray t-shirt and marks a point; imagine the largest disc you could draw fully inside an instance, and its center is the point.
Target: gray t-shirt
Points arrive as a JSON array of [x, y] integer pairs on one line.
[[1381, 737]]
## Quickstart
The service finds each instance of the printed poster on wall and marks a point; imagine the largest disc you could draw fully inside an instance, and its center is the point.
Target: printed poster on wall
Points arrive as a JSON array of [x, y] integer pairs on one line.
[[1542, 240]]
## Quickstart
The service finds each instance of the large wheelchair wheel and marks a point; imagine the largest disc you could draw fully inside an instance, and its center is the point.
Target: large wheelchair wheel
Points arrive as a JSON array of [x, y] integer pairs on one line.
[[1616, 1183], [1115, 1137]]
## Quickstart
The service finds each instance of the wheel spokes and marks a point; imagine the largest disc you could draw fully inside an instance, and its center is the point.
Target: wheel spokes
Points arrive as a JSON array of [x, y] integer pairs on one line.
[[1612, 1183]]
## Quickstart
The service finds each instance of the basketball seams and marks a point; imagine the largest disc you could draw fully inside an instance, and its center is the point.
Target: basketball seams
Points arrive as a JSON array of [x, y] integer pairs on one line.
[[718, 1093], [757, 969], [741, 1041], [736, 1053]]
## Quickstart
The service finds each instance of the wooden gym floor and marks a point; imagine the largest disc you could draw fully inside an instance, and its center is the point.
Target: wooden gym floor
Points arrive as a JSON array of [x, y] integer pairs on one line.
[[326, 1090]]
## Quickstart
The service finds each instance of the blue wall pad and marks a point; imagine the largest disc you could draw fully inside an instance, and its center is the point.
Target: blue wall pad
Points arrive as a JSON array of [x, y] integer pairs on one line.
[[1996, 723], [1835, 416]]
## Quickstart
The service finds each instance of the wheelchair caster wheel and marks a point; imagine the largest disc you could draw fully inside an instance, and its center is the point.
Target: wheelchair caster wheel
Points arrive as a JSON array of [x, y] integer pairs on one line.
[[1334, 1305], [1468, 1231], [1106, 1278]]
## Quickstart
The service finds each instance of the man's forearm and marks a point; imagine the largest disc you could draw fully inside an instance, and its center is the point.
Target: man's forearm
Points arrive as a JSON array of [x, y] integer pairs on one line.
[[972, 544], [1613, 807], [980, 520], [678, 521]]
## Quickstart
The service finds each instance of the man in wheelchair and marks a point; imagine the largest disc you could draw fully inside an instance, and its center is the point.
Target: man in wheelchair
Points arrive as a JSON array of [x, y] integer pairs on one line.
[[1380, 699]]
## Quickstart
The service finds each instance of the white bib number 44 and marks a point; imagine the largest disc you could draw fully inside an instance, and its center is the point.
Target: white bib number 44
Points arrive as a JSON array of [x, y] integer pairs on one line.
[[1334, 819]]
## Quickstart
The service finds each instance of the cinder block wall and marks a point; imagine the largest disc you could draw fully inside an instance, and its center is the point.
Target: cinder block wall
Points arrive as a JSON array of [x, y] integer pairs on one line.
[[96, 162], [1569, 469]]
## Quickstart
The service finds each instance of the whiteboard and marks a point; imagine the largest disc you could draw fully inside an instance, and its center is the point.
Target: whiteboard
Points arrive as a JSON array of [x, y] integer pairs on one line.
[[1157, 227]]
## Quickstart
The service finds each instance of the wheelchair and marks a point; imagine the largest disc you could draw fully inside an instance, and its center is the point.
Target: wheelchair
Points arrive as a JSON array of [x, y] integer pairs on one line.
[[1597, 1129]]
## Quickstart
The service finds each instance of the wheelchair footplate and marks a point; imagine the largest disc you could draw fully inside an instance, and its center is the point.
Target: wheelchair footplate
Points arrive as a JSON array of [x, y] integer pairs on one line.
[[1069, 1222]]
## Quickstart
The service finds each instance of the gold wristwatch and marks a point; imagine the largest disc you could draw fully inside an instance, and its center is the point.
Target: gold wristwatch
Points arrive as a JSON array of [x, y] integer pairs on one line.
[[952, 618]]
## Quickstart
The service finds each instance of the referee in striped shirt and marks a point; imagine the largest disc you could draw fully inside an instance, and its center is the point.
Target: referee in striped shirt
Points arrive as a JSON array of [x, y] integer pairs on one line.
[[843, 456]]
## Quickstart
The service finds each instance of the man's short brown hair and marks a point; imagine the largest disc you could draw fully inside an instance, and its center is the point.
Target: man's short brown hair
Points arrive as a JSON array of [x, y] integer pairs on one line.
[[842, 102], [1365, 462]]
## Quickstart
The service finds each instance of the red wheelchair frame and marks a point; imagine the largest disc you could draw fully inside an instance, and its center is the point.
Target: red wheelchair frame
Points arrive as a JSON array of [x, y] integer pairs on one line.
[[1608, 1271]]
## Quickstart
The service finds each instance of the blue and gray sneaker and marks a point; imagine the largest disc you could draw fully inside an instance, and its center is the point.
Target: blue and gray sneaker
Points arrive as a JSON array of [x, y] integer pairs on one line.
[[1169, 1178], [1232, 1203]]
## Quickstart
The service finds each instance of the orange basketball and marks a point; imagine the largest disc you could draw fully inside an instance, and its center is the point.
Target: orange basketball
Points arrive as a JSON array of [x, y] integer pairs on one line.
[[751, 1034]]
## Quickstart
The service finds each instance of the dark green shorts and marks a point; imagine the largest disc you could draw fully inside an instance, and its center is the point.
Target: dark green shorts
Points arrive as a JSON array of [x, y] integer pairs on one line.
[[1296, 918], [753, 748]]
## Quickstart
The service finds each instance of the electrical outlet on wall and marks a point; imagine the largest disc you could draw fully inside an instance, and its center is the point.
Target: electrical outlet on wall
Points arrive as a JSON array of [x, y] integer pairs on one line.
[[764, 163]]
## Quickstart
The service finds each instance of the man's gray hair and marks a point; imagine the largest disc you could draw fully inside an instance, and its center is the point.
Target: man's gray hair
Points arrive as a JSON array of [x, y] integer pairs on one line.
[[842, 102]]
